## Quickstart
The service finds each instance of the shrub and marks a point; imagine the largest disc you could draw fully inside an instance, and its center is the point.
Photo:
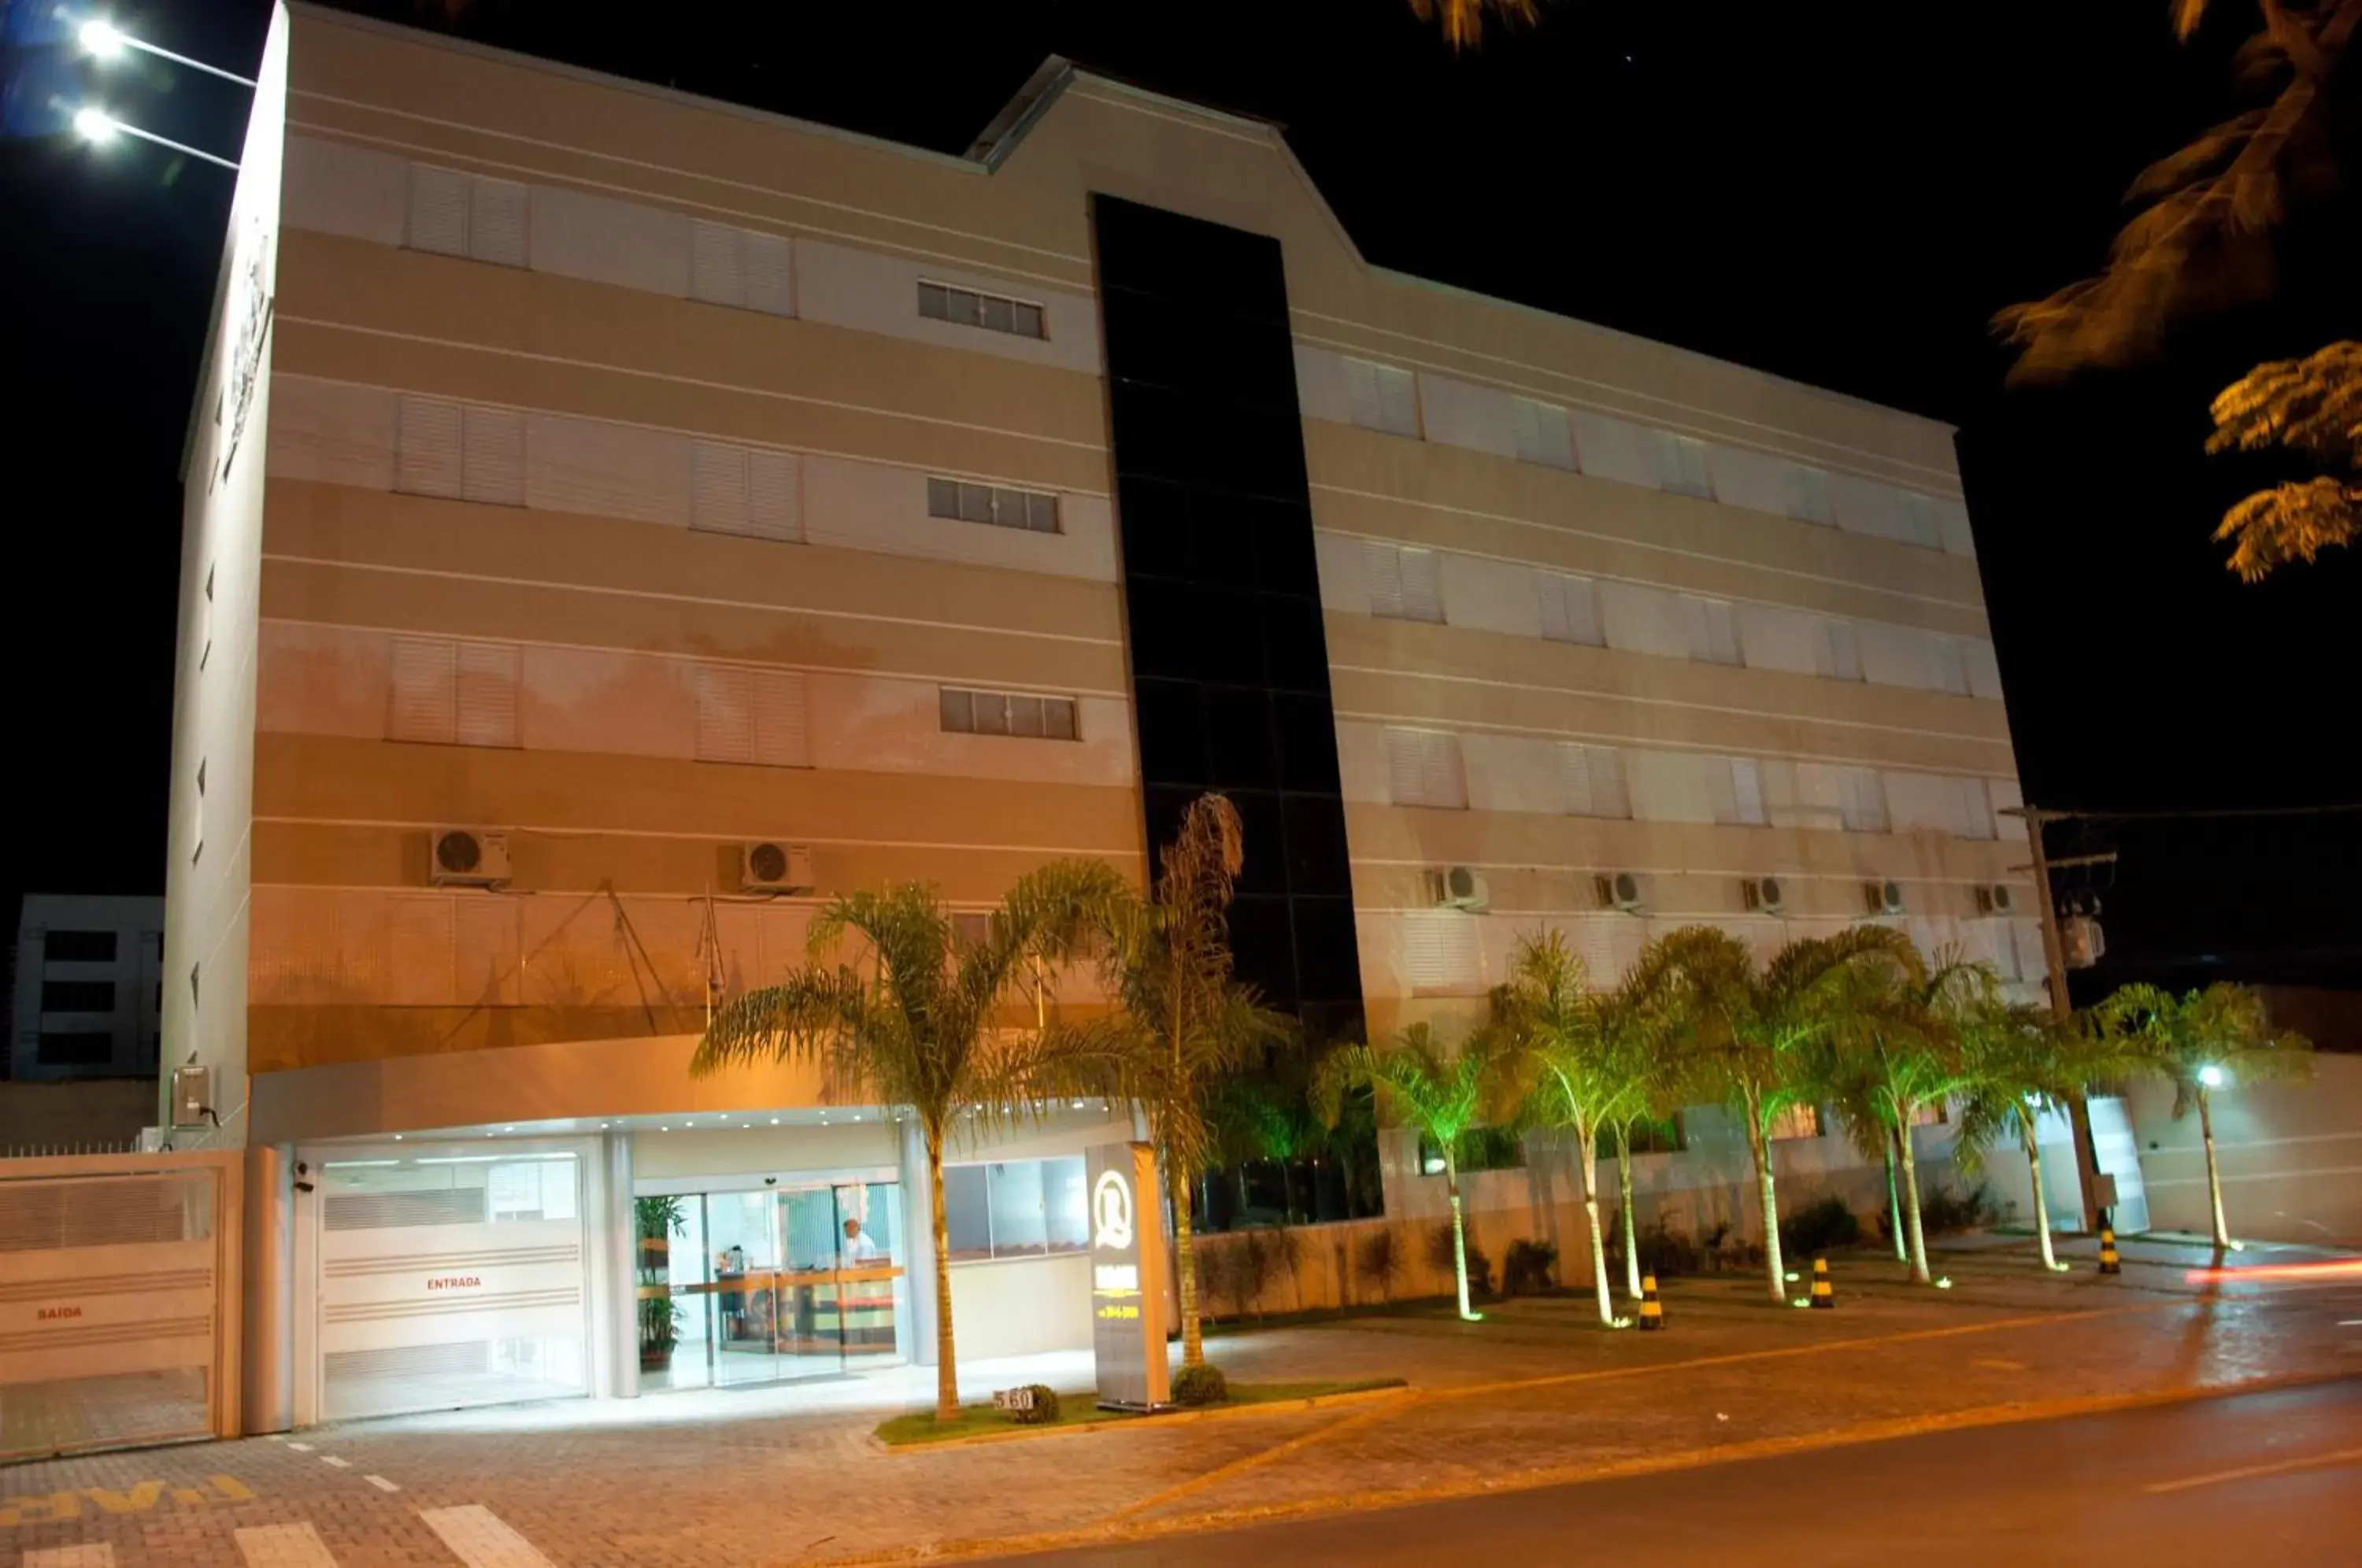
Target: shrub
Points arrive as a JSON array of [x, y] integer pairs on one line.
[[1044, 1409], [1819, 1227], [1665, 1254], [1200, 1385], [1944, 1210], [1439, 1257], [1218, 1278], [1381, 1262], [1527, 1270]]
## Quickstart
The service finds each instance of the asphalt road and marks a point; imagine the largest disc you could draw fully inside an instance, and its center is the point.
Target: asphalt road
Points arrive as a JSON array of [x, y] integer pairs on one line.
[[2272, 1480]]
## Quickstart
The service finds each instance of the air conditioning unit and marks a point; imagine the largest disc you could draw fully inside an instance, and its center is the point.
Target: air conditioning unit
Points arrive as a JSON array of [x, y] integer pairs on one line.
[[1763, 895], [1995, 899], [1458, 889], [468, 857], [768, 868], [1882, 898], [1619, 891]]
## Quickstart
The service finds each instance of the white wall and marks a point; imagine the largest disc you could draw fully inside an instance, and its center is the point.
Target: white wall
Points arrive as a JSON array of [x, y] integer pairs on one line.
[[1022, 1306], [2290, 1156]]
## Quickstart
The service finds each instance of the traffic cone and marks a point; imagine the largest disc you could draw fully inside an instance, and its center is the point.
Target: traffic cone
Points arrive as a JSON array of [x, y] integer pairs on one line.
[[2109, 1261], [1823, 1294], [1652, 1312]]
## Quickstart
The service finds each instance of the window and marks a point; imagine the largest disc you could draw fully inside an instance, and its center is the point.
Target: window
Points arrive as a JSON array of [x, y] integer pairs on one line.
[[1808, 495], [1650, 1138], [1918, 514], [1595, 780], [994, 312], [1441, 951], [74, 1048], [969, 927], [738, 267], [1837, 650], [1405, 582], [453, 693], [1736, 784], [1541, 434], [453, 213], [1031, 510], [77, 995], [1680, 462], [1478, 1149], [746, 490], [1570, 609], [79, 947], [459, 451], [1380, 397], [1423, 769], [1947, 668], [1710, 630], [1796, 1121], [1015, 1209], [1861, 801], [1008, 713], [751, 715]]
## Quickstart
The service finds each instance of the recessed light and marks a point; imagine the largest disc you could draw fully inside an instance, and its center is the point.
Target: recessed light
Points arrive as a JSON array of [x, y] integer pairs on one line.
[[743, 1126], [1078, 1105], [664, 1129], [508, 1128], [397, 1137], [775, 1121]]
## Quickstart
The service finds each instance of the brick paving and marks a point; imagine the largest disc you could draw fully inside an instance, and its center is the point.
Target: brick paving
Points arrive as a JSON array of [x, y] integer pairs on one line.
[[576, 1486]]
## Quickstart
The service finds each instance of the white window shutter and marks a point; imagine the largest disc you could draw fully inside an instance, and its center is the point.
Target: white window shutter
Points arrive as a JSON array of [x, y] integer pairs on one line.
[[496, 221], [1721, 789], [438, 219], [600, 469], [1747, 788], [1550, 597], [422, 690], [775, 496], [1362, 405], [1710, 630], [717, 487], [1422, 585], [427, 447], [485, 704], [1808, 495], [1946, 668], [1862, 801], [726, 713], [1575, 770], [1976, 813], [1397, 401], [769, 273], [1582, 611], [1386, 578], [1607, 794], [1839, 651], [492, 455], [1440, 952], [778, 704], [714, 271], [1447, 783]]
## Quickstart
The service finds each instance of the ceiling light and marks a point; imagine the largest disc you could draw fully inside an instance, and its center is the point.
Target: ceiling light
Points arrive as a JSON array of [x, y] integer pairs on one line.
[[101, 38]]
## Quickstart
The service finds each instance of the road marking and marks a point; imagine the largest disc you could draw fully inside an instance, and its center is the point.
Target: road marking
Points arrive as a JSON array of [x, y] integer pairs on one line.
[[339, 1464], [2248, 1472], [283, 1546], [95, 1555], [478, 1538], [301, 1447], [380, 1483]]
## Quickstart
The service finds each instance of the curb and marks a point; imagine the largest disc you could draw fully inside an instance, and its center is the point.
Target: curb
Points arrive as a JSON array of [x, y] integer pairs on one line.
[[1144, 1423], [1103, 1535]]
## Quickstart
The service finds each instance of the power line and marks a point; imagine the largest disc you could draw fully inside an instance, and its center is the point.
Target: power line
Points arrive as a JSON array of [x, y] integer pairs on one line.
[[2056, 814]]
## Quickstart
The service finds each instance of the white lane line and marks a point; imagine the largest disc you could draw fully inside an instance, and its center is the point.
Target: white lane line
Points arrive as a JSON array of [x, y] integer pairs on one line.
[[2313, 1461], [301, 1447], [96, 1555], [478, 1538], [283, 1546], [380, 1483], [339, 1464]]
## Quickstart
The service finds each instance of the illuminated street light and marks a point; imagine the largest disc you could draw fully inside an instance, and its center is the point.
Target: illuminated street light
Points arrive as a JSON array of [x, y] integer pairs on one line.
[[2211, 1075], [103, 41], [98, 128]]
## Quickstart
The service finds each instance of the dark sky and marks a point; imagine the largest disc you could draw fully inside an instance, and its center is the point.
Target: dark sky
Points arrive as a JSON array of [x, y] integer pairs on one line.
[[1839, 191]]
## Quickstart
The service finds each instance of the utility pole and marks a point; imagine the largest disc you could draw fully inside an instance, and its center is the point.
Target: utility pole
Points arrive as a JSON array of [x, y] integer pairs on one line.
[[2054, 954]]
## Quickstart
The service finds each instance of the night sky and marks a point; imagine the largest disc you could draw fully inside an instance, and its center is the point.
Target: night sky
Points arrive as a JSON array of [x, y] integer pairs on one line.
[[1841, 193]]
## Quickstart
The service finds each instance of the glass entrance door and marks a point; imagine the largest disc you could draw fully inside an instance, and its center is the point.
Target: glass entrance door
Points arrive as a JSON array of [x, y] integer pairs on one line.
[[778, 1284]]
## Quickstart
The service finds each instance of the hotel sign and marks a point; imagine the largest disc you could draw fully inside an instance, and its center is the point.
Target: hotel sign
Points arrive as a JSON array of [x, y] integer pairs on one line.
[[1127, 1275]]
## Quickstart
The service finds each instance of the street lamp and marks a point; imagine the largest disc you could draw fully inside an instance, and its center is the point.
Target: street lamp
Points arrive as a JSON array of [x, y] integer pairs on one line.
[[100, 39], [2211, 1075], [103, 41], [98, 128], [94, 126]]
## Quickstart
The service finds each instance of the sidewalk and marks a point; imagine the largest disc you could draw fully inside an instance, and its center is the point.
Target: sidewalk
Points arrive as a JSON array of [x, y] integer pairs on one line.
[[1536, 1392]]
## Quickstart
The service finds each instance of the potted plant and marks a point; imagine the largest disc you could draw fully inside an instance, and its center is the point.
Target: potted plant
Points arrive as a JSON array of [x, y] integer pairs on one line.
[[657, 1220]]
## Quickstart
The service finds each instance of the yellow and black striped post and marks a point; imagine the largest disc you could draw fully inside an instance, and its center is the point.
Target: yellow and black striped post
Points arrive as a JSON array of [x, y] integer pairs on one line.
[[1652, 1312], [2109, 1261], [1823, 1294]]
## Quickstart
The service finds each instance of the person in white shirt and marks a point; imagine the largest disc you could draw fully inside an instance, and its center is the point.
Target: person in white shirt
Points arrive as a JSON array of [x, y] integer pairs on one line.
[[857, 1247]]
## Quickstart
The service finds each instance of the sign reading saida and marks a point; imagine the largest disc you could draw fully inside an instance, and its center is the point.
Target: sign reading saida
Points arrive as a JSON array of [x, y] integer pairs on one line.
[[1127, 1277]]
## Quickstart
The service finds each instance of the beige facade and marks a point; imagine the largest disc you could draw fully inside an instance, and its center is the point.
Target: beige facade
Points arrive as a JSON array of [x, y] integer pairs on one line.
[[593, 491]]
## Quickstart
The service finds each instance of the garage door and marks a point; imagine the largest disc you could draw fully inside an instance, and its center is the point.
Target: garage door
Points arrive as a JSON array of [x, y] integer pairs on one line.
[[113, 1325], [450, 1281]]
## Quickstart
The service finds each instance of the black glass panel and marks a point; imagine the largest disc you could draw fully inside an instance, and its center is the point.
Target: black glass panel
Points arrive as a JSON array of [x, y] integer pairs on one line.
[[1229, 661]]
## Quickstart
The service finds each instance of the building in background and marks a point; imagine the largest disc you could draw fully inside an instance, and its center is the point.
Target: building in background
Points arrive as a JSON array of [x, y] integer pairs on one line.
[[618, 522], [88, 986]]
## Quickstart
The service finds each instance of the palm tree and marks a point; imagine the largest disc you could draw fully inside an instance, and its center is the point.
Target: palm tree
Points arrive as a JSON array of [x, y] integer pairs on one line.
[[1443, 1094], [1578, 1073], [1183, 1025], [1743, 1030], [1638, 1024], [2198, 1042], [911, 1021], [2023, 1062]]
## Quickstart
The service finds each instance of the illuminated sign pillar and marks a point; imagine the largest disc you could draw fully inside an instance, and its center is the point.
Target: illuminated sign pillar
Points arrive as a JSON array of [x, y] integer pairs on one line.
[[1128, 1277]]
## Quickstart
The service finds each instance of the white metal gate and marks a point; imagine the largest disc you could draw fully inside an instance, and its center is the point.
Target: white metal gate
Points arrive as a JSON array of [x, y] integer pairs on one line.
[[118, 1300], [450, 1280]]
